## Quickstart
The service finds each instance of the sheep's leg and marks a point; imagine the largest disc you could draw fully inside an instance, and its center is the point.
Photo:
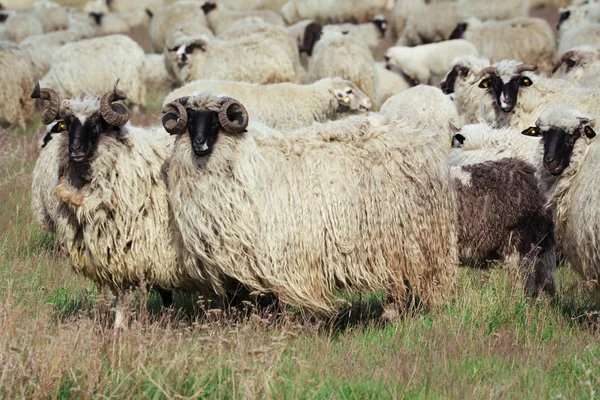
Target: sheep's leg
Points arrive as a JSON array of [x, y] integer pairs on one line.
[[120, 311], [540, 273], [166, 297]]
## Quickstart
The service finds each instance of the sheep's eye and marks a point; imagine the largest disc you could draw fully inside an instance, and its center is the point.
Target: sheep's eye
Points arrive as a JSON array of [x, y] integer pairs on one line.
[[345, 32], [484, 84], [589, 133], [349, 91], [570, 63], [61, 126], [531, 131], [526, 81]]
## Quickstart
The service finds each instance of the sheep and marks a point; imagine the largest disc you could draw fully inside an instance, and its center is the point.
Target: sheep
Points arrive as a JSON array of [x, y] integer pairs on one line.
[[220, 18], [431, 23], [249, 5], [121, 22], [518, 97], [287, 106], [182, 35], [529, 40], [426, 107], [498, 10], [41, 48], [52, 16], [256, 205], [16, 80], [575, 15], [266, 59], [113, 216], [169, 17], [477, 143], [306, 32], [336, 54], [333, 11], [580, 65], [459, 83], [88, 65], [390, 82], [423, 62], [588, 33], [18, 26], [501, 214], [44, 203], [371, 33], [568, 177], [17, 3]]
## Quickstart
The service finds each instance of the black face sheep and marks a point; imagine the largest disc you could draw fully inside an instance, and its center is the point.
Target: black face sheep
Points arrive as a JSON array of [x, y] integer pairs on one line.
[[362, 203], [570, 180], [501, 214], [113, 217]]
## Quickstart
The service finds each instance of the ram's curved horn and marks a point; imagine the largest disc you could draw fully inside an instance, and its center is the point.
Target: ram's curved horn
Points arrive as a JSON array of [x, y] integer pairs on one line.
[[50, 113], [114, 114], [233, 116]]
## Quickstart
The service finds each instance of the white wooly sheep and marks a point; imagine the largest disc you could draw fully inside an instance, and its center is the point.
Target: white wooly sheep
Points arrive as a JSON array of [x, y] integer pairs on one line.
[[333, 11], [44, 202], [371, 33], [587, 33], [52, 16], [113, 217], [16, 80], [41, 48], [306, 213], [519, 96], [425, 107], [155, 72], [220, 18], [130, 5], [119, 22], [172, 16], [569, 179], [89, 66], [306, 33], [580, 65], [178, 40], [529, 40], [15, 27], [268, 57], [337, 54], [478, 143], [431, 23], [575, 15], [287, 106], [390, 82], [96, 6], [460, 84], [420, 63]]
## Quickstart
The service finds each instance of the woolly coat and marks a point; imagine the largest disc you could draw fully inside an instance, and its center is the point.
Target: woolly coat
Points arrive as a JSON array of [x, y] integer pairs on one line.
[[363, 203], [92, 65], [16, 80], [44, 203], [390, 83], [427, 108], [282, 106], [341, 55], [221, 18], [332, 11]]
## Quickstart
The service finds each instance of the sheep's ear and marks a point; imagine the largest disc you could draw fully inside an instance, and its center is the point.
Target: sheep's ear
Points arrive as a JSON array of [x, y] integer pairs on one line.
[[457, 141], [3, 18], [97, 17], [459, 31], [531, 131], [589, 132], [208, 7], [149, 13], [312, 33]]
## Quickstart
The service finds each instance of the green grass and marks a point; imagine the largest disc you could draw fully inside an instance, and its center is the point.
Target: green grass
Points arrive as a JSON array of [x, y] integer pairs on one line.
[[56, 340]]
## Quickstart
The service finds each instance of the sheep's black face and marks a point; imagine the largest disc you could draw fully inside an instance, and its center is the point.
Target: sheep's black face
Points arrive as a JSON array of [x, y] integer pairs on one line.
[[559, 145], [506, 94], [563, 17], [449, 82], [203, 127], [84, 136]]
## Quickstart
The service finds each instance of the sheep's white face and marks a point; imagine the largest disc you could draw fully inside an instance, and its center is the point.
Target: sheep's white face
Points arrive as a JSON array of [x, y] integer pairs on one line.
[[349, 96], [560, 129]]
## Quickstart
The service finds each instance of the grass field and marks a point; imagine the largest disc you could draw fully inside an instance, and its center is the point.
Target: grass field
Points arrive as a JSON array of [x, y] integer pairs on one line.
[[490, 342]]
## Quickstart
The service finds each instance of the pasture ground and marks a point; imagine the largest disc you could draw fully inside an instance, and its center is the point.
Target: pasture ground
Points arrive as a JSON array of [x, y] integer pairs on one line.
[[489, 342]]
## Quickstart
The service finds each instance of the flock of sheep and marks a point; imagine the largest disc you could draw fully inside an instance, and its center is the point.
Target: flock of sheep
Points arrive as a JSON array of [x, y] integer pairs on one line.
[[271, 173]]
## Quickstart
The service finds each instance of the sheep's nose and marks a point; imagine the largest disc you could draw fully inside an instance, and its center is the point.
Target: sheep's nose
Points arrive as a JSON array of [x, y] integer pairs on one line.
[[368, 104]]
